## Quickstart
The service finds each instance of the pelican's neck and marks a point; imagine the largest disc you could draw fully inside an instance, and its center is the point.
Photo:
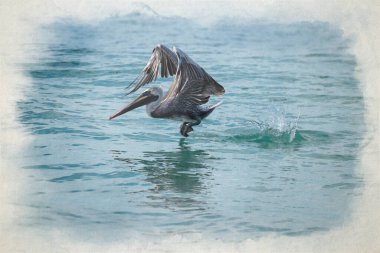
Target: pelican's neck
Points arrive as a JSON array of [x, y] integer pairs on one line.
[[153, 106]]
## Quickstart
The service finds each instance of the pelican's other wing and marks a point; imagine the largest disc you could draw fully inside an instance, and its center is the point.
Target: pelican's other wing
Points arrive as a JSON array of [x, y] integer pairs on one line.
[[195, 92], [162, 58], [193, 79]]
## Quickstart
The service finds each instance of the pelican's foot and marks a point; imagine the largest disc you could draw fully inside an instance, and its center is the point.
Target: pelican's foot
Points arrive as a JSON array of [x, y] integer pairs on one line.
[[185, 129]]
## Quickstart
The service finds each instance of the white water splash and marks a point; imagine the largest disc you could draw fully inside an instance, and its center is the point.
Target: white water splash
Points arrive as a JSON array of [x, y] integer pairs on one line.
[[279, 125]]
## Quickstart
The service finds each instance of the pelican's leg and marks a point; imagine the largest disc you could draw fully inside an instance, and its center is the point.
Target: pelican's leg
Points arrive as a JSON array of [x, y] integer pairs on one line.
[[184, 129], [187, 127]]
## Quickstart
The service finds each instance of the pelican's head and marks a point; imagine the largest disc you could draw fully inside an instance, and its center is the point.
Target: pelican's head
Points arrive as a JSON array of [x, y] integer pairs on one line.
[[148, 97]]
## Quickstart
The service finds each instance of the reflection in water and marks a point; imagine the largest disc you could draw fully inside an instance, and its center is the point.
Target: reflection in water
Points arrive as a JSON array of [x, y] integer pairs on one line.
[[177, 176]]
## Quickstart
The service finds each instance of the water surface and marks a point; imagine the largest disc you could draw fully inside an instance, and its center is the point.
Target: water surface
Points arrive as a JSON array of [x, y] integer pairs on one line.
[[279, 155]]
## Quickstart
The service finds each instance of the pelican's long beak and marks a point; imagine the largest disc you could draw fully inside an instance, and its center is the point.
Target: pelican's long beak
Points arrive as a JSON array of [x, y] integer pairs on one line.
[[144, 99]]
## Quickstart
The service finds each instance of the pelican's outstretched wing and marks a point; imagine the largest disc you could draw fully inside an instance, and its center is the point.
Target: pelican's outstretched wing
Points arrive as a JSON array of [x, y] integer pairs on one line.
[[195, 92], [192, 83], [162, 58]]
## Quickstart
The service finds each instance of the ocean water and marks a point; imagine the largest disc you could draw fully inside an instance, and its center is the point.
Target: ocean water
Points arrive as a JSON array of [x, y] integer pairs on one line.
[[278, 157]]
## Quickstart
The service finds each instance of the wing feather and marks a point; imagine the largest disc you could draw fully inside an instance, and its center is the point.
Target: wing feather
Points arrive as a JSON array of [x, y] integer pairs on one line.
[[195, 92], [192, 70], [163, 59], [192, 83]]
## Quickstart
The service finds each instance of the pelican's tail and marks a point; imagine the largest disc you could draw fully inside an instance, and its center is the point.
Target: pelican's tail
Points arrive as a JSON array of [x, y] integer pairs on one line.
[[209, 109], [212, 107]]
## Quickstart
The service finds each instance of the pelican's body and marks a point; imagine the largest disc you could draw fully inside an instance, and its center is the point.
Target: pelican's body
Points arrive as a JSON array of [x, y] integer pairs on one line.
[[187, 97]]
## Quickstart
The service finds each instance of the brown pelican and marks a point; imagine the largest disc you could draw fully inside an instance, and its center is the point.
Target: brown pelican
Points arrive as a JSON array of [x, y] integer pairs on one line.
[[187, 96]]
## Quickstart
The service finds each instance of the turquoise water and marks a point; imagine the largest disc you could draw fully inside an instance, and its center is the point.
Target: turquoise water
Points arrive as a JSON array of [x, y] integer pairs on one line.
[[279, 155]]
